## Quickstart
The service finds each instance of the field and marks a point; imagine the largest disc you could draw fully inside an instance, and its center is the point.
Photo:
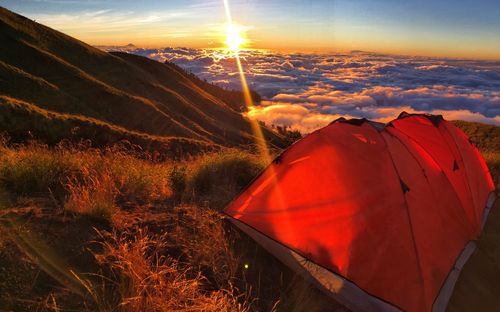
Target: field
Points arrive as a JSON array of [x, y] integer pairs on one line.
[[114, 229]]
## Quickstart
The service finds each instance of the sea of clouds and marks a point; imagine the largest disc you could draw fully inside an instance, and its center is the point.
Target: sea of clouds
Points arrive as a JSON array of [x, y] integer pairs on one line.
[[307, 91]]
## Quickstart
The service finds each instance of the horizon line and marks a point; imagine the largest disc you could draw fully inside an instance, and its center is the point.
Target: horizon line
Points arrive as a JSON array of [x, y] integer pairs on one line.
[[299, 51]]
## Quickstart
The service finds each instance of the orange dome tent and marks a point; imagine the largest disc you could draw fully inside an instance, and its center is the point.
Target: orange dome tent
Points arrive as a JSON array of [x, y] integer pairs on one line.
[[386, 215]]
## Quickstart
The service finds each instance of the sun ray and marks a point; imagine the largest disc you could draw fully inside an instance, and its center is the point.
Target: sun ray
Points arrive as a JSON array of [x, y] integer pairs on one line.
[[260, 139], [259, 136]]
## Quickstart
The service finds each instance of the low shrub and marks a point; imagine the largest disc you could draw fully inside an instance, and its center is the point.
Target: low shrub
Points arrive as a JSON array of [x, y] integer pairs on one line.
[[177, 178], [137, 180], [218, 177]]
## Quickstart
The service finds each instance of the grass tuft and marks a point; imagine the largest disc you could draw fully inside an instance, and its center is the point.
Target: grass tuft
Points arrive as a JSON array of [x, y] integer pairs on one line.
[[178, 180], [95, 196], [145, 280], [216, 178], [199, 239]]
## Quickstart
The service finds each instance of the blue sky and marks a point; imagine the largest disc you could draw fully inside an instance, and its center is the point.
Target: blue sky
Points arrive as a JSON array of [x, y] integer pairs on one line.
[[440, 28]]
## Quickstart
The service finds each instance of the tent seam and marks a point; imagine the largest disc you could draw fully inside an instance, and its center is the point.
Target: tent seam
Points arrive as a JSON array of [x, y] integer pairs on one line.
[[419, 164], [417, 254], [466, 175], [440, 167]]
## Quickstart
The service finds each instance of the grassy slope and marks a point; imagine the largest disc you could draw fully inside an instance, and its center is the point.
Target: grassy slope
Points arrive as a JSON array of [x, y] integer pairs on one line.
[[17, 116], [232, 97], [56, 72]]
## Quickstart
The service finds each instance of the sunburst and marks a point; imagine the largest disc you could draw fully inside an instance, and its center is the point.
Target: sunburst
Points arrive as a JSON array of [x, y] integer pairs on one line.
[[235, 37]]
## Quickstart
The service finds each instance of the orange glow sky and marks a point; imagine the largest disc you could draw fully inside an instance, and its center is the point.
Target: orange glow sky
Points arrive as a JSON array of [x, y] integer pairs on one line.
[[448, 28]]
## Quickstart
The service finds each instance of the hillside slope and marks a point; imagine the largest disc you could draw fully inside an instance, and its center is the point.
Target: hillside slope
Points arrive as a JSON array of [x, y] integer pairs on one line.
[[58, 73], [17, 116]]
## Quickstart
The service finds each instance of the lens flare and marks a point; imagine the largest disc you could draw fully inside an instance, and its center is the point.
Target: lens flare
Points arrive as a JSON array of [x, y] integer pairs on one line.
[[235, 39], [257, 130]]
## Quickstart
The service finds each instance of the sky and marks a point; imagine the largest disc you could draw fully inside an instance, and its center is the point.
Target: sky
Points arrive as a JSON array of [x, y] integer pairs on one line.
[[442, 28]]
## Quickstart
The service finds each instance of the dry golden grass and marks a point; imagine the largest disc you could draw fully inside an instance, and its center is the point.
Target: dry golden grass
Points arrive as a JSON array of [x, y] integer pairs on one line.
[[32, 171], [143, 279], [214, 179], [199, 239], [486, 138], [95, 196], [187, 264], [71, 173], [82, 177], [136, 179]]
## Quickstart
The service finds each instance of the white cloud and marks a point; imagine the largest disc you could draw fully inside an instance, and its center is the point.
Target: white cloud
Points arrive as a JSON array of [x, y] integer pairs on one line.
[[309, 90]]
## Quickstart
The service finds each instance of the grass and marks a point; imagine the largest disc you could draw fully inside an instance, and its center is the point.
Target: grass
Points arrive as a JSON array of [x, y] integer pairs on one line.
[[32, 171], [486, 139], [75, 172], [95, 196], [217, 178], [24, 121], [185, 262], [82, 179], [163, 246], [493, 161], [146, 280]]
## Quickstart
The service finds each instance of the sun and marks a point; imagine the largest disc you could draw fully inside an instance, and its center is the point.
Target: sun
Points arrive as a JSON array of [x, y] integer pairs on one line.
[[235, 37]]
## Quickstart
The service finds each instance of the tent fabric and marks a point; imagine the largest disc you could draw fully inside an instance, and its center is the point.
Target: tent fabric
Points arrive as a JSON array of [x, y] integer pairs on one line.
[[342, 290], [389, 209]]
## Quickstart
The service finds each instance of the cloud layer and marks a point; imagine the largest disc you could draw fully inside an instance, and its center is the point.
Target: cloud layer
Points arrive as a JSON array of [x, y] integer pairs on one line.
[[308, 91]]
